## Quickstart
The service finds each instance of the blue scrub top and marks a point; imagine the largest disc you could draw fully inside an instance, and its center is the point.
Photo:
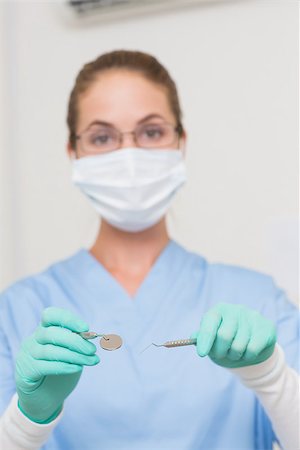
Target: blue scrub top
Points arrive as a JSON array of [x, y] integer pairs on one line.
[[163, 398]]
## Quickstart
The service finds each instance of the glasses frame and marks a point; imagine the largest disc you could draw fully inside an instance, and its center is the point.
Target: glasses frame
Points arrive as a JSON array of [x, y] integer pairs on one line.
[[177, 128]]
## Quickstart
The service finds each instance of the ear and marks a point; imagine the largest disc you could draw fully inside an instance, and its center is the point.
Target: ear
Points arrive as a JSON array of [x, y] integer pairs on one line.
[[182, 142], [71, 151]]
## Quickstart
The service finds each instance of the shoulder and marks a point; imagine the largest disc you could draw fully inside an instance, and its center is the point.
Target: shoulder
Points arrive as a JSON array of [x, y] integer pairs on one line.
[[236, 278], [230, 283], [38, 286], [22, 303], [227, 276], [241, 285]]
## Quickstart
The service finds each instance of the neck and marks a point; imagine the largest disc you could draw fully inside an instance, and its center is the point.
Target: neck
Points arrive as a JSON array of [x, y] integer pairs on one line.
[[131, 253]]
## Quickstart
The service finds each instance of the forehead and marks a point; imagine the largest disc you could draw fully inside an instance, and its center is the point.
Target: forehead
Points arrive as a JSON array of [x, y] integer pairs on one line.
[[122, 97]]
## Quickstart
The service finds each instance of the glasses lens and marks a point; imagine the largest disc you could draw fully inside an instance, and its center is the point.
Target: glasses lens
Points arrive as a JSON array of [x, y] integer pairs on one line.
[[99, 140], [155, 135]]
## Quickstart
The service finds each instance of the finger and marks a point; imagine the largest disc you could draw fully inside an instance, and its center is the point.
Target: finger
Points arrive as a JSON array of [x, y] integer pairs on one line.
[[225, 336], [261, 339], [240, 342], [30, 370], [64, 338], [50, 352], [44, 368], [63, 318], [208, 331]]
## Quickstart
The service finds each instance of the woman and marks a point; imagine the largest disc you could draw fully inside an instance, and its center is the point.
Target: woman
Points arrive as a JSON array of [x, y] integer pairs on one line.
[[127, 145]]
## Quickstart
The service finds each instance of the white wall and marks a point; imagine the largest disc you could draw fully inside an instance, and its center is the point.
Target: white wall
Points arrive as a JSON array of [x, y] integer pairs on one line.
[[235, 63]]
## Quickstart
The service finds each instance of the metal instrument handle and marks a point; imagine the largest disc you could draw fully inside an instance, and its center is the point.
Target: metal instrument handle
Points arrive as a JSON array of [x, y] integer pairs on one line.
[[180, 343]]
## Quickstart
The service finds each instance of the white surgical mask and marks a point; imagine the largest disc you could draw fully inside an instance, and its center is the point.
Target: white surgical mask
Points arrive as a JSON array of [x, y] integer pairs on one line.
[[131, 188]]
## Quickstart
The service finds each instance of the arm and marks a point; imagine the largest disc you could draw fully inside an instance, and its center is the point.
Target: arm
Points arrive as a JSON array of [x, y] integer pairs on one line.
[[48, 368], [277, 387], [17, 432], [243, 341]]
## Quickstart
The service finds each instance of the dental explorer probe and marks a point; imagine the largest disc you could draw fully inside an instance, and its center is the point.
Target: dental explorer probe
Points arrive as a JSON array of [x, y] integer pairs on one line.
[[171, 344]]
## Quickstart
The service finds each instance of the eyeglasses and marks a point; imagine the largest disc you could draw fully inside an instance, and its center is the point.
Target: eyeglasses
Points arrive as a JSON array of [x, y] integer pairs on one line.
[[102, 139]]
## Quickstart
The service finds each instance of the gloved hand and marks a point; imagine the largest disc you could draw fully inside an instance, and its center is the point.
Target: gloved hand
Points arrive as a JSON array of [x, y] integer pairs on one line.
[[235, 336], [50, 363]]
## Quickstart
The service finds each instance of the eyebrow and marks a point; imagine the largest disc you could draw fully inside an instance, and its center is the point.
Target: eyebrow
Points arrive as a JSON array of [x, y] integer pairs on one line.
[[108, 124], [151, 116]]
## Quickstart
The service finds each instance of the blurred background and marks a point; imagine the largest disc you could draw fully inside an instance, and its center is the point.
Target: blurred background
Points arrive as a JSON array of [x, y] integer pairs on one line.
[[235, 63]]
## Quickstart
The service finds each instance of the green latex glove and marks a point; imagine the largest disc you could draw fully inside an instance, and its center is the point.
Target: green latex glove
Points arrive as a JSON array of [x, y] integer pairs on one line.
[[50, 363], [235, 336]]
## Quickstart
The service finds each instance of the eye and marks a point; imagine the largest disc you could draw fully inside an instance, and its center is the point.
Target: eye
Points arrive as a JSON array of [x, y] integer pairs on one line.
[[101, 138], [152, 132]]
